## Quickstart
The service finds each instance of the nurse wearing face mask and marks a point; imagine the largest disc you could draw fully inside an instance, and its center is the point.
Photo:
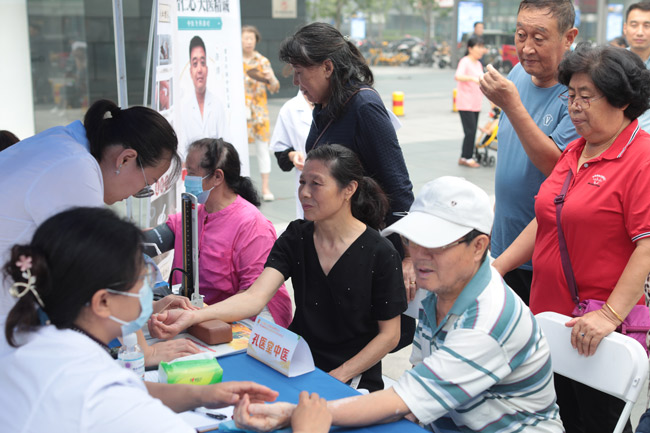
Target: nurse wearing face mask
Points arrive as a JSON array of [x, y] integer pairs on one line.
[[78, 284], [234, 237]]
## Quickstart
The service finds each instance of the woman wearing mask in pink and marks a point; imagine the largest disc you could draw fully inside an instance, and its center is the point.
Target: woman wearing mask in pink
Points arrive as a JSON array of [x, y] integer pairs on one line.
[[234, 237]]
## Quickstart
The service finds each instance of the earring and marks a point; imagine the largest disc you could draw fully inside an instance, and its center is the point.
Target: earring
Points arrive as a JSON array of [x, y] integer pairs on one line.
[[118, 169]]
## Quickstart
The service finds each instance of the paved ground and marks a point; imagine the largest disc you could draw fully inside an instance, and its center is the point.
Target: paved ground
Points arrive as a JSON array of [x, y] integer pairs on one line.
[[430, 137]]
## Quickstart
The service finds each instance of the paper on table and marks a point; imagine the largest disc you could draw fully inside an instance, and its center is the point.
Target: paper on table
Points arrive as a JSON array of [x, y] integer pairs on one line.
[[413, 309], [199, 422], [202, 422]]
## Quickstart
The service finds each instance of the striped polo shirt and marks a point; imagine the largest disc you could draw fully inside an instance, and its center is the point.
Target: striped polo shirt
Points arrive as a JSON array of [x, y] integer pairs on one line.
[[486, 367]]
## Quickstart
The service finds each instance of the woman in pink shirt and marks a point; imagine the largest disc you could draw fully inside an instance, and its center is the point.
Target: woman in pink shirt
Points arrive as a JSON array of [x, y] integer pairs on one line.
[[234, 237], [469, 97]]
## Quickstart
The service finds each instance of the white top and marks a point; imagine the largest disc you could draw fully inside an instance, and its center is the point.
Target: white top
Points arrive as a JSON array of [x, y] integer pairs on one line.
[[42, 176], [290, 131], [485, 367], [62, 381], [213, 124]]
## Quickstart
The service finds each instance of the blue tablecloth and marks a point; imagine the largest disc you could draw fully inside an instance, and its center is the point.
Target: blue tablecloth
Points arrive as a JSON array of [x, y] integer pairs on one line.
[[244, 367]]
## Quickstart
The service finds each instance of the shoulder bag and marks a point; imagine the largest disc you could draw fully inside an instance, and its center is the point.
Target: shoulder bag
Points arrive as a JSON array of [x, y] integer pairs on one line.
[[637, 322]]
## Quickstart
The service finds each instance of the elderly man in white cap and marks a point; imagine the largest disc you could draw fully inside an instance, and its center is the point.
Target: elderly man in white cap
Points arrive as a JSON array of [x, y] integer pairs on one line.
[[480, 361]]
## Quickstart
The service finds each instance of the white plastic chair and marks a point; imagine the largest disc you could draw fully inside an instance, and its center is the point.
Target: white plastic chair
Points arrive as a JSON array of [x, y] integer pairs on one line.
[[619, 367]]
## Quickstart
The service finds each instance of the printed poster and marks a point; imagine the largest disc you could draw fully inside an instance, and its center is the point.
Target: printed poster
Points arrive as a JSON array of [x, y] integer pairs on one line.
[[198, 83]]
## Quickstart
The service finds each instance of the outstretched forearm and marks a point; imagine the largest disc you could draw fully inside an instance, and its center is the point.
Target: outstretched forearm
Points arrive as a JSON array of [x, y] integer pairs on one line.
[[244, 304], [375, 408]]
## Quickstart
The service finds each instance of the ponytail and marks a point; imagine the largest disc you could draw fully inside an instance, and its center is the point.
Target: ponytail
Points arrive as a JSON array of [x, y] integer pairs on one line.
[[245, 188], [370, 203], [221, 155], [24, 315], [139, 128]]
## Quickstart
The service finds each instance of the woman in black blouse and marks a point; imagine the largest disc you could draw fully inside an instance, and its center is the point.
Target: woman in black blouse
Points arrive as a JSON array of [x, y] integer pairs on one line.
[[347, 279], [332, 74]]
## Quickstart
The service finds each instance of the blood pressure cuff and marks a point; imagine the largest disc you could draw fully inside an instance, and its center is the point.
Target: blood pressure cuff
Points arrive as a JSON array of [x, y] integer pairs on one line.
[[162, 236]]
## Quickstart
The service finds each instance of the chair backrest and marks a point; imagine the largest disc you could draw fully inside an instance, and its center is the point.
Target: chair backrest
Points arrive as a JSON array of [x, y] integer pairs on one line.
[[619, 367]]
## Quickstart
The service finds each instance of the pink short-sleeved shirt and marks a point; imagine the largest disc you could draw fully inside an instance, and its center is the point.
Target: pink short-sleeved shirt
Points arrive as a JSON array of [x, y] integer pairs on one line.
[[469, 96], [233, 246]]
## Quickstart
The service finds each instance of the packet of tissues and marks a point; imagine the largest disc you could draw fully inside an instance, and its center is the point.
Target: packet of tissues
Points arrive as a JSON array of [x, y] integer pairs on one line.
[[191, 372]]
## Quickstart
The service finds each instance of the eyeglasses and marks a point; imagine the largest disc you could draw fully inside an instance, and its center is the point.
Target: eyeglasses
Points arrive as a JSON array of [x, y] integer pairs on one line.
[[147, 191], [437, 250], [149, 276], [581, 103]]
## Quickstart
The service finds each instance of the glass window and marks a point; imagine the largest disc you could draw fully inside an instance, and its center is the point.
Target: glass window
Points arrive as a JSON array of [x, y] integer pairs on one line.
[[73, 62]]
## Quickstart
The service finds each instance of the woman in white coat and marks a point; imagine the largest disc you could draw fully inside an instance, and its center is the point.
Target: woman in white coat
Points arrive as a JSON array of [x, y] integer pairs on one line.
[[289, 137], [114, 154], [80, 283]]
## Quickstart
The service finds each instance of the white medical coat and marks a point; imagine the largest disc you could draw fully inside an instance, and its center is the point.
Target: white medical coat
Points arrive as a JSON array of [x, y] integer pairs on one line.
[[290, 131], [213, 124], [62, 381], [42, 176]]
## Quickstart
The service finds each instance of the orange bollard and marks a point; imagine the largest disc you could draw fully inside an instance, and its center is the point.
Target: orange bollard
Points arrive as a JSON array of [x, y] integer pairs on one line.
[[453, 107], [398, 103]]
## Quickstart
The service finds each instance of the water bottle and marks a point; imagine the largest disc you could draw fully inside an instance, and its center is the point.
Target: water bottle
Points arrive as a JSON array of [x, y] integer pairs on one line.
[[130, 355]]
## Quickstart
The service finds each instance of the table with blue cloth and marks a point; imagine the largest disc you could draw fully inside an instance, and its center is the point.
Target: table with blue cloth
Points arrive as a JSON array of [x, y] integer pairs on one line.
[[243, 367]]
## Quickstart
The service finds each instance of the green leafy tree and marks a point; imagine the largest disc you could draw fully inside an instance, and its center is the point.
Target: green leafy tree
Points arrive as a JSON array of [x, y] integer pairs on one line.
[[329, 9], [430, 10], [374, 7]]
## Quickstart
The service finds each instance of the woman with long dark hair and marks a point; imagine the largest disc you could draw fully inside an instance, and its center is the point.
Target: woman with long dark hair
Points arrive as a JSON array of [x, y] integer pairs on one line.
[[347, 279]]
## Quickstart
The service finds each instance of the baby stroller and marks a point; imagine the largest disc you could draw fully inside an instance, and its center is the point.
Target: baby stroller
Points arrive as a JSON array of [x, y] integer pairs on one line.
[[487, 141]]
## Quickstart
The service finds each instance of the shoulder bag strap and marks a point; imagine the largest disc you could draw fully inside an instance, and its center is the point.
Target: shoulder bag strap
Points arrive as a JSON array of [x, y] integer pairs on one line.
[[332, 120], [564, 253]]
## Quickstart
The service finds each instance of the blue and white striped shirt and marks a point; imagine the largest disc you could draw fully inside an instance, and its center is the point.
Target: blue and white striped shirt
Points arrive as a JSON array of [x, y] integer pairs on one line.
[[486, 367]]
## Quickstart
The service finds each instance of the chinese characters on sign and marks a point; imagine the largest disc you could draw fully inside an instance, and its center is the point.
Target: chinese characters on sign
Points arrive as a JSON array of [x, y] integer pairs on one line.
[[280, 349], [270, 347], [203, 5]]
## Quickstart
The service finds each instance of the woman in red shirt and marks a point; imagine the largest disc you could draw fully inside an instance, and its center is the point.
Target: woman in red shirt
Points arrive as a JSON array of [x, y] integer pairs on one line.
[[605, 218]]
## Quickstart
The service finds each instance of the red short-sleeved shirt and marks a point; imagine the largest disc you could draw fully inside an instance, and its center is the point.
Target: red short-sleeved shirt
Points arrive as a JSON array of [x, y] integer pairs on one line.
[[607, 209]]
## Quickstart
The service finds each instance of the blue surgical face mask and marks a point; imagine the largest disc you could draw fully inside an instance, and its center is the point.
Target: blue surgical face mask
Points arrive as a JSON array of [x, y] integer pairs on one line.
[[146, 307], [194, 185]]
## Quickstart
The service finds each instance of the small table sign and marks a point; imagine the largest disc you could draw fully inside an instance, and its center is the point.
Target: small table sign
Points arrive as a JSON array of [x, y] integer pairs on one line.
[[280, 349]]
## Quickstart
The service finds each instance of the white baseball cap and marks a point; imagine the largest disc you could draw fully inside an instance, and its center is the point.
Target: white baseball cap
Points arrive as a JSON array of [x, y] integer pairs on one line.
[[445, 210]]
